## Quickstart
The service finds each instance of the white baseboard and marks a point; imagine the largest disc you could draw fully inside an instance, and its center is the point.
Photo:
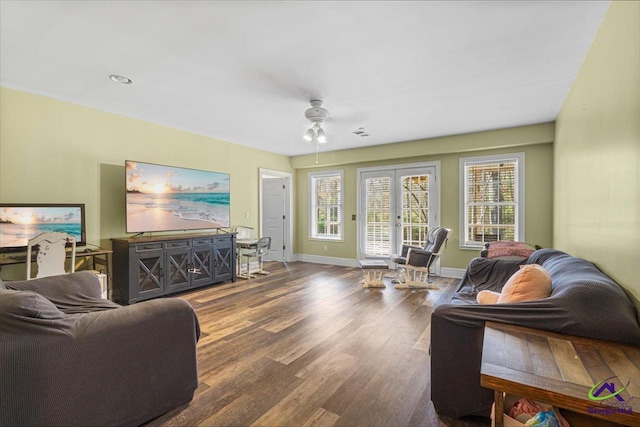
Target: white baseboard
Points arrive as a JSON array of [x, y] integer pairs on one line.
[[317, 259], [455, 273]]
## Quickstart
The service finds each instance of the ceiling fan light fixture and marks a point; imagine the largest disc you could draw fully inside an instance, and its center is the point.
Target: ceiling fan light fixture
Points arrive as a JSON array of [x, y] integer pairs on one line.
[[316, 115], [309, 135]]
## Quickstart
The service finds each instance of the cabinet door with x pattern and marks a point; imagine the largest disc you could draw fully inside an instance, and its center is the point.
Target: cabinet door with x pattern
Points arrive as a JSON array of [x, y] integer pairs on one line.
[[201, 268], [148, 275], [224, 263], [178, 266]]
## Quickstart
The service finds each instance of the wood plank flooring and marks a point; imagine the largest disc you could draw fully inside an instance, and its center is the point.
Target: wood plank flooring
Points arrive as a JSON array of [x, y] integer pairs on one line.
[[308, 346]]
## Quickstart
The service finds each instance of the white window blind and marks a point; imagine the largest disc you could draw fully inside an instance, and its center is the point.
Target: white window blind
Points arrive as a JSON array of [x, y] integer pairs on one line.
[[378, 224], [492, 194], [415, 209], [326, 205]]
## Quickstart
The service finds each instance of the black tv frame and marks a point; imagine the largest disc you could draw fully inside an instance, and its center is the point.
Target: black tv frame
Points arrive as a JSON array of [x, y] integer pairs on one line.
[[83, 225]]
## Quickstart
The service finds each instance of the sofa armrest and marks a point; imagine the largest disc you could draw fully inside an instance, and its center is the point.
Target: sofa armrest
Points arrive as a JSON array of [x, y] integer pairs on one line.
[[113, 367], [77, 292], [456, 356]]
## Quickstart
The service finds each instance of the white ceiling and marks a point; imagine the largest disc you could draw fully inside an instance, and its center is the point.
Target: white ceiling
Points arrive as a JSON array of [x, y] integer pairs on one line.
[[244, 71]]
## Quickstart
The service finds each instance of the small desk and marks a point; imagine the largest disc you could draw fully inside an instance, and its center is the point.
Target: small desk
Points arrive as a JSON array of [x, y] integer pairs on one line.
[[560, 370], [103, 259], [244, 244]]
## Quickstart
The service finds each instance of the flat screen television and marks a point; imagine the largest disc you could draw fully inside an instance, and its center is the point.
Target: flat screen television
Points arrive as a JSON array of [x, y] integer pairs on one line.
[[19, 222], [169, 198]]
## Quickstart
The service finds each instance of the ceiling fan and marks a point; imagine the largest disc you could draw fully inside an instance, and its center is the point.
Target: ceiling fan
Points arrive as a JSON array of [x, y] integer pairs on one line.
[[316, 115]]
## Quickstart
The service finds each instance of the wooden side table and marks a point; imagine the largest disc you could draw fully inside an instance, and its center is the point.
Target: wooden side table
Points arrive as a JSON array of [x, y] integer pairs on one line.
[[579, 374]]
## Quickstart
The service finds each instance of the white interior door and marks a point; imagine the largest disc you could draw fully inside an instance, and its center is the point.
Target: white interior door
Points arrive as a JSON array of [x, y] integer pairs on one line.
[[397, 205], [273, 216]]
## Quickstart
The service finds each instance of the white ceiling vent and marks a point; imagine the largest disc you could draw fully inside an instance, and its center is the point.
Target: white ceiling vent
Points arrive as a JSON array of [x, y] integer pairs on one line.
[[361, 132]]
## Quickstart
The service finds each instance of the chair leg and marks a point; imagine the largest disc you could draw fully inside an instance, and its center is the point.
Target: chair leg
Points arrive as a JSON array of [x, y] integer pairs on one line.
[[260, 270], [247, 274], [398, 278], [415, 279]]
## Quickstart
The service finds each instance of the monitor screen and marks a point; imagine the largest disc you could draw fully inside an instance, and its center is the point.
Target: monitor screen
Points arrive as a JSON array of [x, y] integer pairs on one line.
[[169, 198], [20, 222]]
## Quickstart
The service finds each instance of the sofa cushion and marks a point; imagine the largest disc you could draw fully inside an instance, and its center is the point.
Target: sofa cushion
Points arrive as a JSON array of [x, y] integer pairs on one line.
[[28, 304], [530, 282]]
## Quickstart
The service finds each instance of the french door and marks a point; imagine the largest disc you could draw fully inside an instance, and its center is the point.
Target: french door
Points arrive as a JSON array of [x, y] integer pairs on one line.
[[397, 205]]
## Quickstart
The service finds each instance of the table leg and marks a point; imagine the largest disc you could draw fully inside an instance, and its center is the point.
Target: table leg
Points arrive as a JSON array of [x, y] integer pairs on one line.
[[498, 398]]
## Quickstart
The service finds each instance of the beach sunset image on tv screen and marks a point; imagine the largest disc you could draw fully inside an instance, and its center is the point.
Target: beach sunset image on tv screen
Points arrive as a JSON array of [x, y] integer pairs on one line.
[[19, 223], [167, 198]]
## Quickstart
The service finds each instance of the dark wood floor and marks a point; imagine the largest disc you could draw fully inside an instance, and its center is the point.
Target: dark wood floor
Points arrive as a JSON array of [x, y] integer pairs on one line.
[[307, 345]]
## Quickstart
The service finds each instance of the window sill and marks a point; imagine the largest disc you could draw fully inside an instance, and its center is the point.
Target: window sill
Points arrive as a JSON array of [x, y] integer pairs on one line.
[[327, 239], [471, 248]]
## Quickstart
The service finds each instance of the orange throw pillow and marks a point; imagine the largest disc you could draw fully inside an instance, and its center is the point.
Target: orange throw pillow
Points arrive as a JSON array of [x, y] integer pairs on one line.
[[487, 297], [530, 283]]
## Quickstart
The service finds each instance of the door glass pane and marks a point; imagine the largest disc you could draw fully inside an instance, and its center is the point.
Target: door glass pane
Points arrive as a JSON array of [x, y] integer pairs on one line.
[[414, 209], [377, 228]]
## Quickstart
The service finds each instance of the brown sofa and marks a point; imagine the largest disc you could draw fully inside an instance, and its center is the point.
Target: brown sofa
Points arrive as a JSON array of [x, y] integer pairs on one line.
[[68, 357]]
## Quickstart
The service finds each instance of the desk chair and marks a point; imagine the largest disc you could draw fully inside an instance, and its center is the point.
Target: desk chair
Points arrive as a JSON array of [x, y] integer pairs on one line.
[[51, 254], [258, 250]]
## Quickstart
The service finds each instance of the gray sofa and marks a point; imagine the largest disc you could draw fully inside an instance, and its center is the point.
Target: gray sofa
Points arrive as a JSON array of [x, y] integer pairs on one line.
[[584, 302], [68, 357]]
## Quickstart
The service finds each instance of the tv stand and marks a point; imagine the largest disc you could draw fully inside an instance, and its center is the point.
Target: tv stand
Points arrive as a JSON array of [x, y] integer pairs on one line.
[[150, 267]]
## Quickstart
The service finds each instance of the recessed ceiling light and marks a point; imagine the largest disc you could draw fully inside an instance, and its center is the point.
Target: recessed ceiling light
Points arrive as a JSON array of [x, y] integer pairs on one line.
[[121, 79]]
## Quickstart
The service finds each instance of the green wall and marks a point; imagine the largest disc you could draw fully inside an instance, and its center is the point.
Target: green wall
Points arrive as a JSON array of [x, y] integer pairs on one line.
[[58, 152], [535, 141], [597, 153], [54, 152]]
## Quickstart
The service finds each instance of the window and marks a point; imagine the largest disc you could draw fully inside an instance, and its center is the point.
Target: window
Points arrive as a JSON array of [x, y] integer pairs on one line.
[[325, 194], [492, 194]]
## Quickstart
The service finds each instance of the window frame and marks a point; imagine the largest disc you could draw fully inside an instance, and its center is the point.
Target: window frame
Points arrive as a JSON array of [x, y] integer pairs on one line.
[[313, 220], [519, 196]]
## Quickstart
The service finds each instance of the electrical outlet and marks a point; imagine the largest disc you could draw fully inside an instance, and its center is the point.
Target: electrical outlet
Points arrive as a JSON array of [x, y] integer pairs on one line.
[[246, 214], [325, 248]]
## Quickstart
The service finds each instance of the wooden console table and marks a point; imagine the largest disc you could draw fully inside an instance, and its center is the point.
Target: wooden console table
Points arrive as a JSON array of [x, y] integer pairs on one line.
[[150, 267], [561, 370]]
